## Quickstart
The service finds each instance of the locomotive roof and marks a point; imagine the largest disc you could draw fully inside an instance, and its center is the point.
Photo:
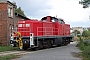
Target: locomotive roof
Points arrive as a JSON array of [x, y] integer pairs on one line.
[[52, 18], [47, 16]]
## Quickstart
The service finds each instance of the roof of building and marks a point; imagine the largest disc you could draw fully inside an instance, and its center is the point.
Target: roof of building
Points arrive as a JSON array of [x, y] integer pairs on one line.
[[17, 14], [11, 3]]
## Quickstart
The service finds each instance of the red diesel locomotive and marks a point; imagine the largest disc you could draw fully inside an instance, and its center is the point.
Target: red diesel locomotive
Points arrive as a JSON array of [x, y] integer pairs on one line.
[[48, 32]]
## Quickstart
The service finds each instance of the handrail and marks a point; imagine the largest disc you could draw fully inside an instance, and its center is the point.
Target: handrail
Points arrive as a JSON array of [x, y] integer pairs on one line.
[[50, 32]]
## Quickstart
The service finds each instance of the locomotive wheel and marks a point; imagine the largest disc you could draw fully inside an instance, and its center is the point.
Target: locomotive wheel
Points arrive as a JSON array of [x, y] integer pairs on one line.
[[69, 41], [58, 45], [45, 45], [40, 45], [49, 44], [64, 43], [34, 49], [25, 47]]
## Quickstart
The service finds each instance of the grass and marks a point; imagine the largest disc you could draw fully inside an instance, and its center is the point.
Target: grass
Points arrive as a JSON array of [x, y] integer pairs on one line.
[[8, 48], [8, 57]]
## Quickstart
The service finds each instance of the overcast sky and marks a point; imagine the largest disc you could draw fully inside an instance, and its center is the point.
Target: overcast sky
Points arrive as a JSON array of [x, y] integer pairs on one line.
[[69, 10]]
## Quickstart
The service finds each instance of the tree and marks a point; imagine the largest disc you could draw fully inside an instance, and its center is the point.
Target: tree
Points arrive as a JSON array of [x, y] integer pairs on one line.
[[85, 3], [19, 10], [76, 32], [86, 33], [88, 29]]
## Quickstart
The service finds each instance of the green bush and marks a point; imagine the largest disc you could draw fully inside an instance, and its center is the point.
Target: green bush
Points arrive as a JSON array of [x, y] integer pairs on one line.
[[82, 46], [86, 42], [86, 51], [80, 43], [85, 47]]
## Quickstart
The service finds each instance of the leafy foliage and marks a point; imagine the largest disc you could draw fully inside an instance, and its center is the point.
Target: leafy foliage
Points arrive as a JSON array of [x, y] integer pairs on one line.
[[88, 29], [76, 38], [85, 47], [86, 33], [85, 3], [76, 32], [19, 10]]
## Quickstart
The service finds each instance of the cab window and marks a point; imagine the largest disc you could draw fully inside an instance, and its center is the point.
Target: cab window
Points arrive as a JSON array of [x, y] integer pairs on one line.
[[27, 25], [53, 20], [60, 21], [19, 25]]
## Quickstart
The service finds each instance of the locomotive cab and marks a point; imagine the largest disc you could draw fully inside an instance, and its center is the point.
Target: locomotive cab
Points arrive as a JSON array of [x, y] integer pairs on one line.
[[60, 21], [53, 19], [49, 19]]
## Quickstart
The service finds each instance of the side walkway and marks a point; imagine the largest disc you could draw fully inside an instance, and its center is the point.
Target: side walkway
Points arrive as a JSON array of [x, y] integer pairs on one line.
[[14, 52], [69, 52]]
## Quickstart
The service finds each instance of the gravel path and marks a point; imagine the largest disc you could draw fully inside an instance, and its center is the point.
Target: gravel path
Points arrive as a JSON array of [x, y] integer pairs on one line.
[[69, 52]]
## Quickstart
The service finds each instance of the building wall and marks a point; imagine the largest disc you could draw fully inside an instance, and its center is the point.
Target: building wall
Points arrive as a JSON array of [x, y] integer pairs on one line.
[[7, 23], [5, 1], [3, 24], [10, 22], [12, 25], [17, 18]]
